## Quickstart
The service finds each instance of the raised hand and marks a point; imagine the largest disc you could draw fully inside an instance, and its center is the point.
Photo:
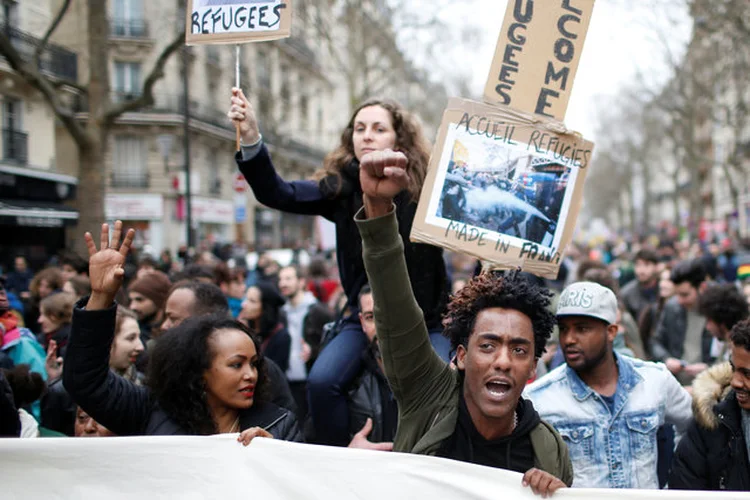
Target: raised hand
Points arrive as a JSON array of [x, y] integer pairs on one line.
[[53, 363], [382, 174], [106, 264], [242, 114]]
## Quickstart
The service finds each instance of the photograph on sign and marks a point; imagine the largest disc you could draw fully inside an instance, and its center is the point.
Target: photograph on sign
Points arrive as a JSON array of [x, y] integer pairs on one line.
[[237, 21], [503, 186], [537, 55]]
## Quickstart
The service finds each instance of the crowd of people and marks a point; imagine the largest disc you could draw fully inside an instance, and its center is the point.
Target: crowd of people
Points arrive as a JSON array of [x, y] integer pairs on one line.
[[629, 371]]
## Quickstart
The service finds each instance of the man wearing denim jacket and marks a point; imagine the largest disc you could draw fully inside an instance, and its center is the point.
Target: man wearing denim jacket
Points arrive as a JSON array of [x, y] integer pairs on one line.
[[606, 406]]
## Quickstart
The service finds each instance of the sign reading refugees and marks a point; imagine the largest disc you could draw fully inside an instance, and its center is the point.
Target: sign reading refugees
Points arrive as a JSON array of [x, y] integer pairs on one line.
[[504, 186], [537, 55], [237, 21]]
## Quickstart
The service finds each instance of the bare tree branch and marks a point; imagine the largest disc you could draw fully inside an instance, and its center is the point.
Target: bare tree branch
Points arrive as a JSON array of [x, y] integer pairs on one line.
[[59, 83], [147, 96], [32, 76], [52, 27]]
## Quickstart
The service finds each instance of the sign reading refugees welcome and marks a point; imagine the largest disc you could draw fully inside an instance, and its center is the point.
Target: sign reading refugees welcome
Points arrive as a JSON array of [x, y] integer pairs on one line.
[[504, 186], [537, 55], [237, 21]]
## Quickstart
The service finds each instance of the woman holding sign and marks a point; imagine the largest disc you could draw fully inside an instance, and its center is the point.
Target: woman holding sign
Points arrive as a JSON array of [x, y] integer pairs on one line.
[[375, 125]]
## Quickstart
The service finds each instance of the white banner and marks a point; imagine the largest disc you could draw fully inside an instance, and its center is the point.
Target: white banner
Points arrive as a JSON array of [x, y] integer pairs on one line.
[[219, 467]]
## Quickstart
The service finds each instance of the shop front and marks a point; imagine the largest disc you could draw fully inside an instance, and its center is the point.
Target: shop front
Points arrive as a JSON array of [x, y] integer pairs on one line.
[[34, 214], [142, 212]]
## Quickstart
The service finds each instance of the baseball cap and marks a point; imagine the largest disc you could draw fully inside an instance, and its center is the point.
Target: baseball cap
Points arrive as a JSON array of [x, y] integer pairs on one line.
[[590, 299]]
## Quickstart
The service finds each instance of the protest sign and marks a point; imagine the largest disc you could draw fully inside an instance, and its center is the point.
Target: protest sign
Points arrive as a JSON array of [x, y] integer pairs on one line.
[[537, 55], [237, 21], [183, 467], [504, 186]]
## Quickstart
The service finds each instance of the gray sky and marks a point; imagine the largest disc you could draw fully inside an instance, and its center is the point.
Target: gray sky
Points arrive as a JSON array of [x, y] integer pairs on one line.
[[624, 37]]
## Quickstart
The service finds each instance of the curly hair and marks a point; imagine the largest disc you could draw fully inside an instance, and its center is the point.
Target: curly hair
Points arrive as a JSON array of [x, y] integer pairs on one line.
[[27, 386], [410, 140], [510, 291], [52, 275], [59, 306], [177, 366], [724, 305], [740, 334]]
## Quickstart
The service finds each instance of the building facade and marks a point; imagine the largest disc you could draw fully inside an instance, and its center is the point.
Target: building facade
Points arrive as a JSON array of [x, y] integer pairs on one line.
[[303, 89], [33, 192]]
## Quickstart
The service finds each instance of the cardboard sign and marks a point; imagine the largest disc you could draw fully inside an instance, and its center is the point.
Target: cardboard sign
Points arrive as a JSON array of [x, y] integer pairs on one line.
[[504, 186], [237, 21], [537, 55]]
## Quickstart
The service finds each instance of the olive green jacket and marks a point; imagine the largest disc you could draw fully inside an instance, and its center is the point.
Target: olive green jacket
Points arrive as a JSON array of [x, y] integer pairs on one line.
[[426, 389]]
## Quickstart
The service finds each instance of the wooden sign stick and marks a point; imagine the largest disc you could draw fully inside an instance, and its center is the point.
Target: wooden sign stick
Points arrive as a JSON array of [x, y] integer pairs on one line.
[[237, 84]]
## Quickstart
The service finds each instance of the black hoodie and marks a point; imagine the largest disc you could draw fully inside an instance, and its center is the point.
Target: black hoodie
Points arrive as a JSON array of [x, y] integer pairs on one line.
[[513, 452]]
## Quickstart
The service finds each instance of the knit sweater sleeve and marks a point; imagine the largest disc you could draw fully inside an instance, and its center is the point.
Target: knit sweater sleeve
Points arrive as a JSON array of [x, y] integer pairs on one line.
[[415, 372]]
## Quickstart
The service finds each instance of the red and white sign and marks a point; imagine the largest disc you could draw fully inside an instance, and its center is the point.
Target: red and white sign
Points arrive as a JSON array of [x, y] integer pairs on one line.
[[240, 185], [212, 211], [134, 206]]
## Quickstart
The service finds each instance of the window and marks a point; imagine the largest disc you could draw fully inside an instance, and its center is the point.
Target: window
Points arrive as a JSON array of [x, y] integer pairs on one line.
[[15, 142], [130, 167], [129, 19], [9, 12], [214, 173], [12, 114], [264, 70], [304, 110], [127, 80], [286, 93]]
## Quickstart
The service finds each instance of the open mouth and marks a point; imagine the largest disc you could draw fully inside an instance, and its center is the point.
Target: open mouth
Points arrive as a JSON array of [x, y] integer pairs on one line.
[[498, 389]]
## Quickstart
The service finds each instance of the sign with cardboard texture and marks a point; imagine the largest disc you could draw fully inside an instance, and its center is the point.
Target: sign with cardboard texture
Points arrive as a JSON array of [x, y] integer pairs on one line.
[[237, 21], [537, 55], [503, 185]]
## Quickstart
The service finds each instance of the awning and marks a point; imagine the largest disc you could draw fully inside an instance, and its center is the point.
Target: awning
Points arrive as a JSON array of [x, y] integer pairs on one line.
[[36, 214]]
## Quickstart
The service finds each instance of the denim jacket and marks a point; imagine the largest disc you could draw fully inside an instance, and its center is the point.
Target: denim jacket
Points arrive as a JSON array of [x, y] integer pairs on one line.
[[613, 449]]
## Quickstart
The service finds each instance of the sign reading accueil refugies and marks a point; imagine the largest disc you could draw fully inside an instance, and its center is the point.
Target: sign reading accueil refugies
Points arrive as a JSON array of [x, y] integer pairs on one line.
[[503, 185], [537, 55], [237, 21]]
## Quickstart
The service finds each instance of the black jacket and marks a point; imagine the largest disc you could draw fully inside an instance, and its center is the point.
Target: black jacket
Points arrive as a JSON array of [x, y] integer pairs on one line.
[[669, 339], [10, 425], [424, 262], [277, 346], [371, 397], [713, 455], [58, 409], [127, 409]]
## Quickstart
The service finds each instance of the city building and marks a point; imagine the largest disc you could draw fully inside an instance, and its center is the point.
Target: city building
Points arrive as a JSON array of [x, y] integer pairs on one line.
[[33, 192]]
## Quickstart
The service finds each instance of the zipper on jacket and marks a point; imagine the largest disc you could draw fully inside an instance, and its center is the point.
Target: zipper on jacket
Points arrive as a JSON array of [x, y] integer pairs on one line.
[[275, 422]]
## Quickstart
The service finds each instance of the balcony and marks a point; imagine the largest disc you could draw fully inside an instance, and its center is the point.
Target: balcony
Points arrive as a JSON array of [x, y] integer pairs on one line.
[[15, 146], [55, 60], [129, 28], [298, 48], [130, 179]]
